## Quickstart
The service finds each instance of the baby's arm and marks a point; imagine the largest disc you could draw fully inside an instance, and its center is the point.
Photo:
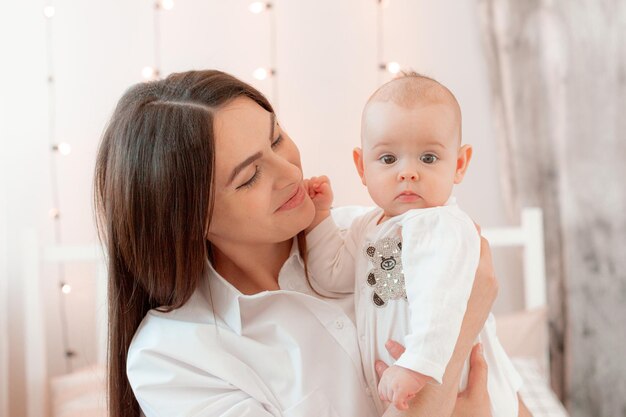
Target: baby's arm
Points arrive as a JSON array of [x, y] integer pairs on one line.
[[440, 253], [329, 253]]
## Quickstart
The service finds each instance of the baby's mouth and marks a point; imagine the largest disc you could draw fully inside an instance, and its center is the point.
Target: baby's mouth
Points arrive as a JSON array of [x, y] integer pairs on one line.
[[408, 196]]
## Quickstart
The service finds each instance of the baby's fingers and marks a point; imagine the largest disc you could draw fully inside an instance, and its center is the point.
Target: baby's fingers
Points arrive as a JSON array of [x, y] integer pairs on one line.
[[323, 179], [400, 400], [324, 189], [308, 186]]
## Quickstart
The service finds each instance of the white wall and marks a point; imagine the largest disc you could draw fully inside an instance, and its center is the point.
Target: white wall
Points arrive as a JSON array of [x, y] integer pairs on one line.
[[4, 293], [23, 148], [327, 68]]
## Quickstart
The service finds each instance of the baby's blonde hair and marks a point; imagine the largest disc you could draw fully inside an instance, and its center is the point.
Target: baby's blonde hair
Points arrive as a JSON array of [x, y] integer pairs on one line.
[[409, 89]]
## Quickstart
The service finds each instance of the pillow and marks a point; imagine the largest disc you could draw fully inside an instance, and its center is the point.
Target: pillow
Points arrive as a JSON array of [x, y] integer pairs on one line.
[[524, 334]]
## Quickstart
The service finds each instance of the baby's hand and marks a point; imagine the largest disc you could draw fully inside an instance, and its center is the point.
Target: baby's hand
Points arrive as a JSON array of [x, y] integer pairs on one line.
[[320, 192], [322, 196], [398, 385]]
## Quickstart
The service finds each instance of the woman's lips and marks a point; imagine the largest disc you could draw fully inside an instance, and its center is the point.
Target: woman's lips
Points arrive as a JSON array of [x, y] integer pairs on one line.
[[408, 197], [295, 200]]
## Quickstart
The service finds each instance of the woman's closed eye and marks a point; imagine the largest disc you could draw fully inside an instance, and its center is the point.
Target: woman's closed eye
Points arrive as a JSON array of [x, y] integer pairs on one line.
[[253, 179], [257, 169], [277, 141]]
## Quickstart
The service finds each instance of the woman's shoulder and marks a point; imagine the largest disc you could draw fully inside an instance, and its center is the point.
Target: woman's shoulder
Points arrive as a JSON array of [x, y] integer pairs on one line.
[[189, 347], [192, 326]]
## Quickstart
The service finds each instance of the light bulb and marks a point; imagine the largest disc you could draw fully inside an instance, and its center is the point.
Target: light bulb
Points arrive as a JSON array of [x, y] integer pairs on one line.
[[48, 12], [393, 67], [148, 73], [260, 73], [64, 148], [54, 213], [66, 288], [258, 7], [167, 4]]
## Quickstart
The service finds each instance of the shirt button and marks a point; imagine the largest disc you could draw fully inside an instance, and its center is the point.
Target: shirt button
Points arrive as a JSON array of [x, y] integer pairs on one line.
[[339, 324], [368, 391]]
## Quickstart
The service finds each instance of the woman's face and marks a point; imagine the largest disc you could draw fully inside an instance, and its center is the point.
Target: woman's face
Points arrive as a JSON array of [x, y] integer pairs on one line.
[[259, 193]]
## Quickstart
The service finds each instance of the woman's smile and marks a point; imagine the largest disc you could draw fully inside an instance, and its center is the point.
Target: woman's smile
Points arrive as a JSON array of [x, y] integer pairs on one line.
[[295, 200]]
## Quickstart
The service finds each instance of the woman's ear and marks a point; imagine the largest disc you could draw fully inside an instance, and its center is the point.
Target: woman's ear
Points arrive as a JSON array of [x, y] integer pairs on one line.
[[462, 162], [357, 155]]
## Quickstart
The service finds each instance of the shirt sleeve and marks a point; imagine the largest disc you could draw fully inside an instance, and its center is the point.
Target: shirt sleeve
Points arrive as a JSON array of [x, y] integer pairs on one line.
[[440, 253], [165, 386], [330, 256]]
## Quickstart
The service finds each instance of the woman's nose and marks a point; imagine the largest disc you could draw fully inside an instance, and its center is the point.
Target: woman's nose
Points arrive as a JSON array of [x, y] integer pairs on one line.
[[287, 173]]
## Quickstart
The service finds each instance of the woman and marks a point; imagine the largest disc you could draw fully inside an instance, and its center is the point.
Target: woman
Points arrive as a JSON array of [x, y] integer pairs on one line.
[[201, 205]]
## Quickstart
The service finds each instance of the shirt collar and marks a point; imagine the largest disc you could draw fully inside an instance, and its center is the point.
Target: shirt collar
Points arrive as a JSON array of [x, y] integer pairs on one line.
[[225, 299]]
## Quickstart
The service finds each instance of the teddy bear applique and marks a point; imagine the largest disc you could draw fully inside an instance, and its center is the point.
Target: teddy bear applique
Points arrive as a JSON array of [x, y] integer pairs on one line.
[[386, 277]]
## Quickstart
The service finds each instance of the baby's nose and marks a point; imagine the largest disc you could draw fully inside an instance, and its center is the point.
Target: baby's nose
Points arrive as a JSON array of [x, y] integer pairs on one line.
[[408, 175]]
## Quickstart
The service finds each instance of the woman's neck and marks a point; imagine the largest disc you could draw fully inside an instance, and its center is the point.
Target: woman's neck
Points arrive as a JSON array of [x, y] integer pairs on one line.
[[251, 269]]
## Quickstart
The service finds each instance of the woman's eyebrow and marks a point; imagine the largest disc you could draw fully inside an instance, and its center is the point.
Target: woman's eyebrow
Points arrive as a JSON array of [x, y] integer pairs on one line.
[[240, 167]]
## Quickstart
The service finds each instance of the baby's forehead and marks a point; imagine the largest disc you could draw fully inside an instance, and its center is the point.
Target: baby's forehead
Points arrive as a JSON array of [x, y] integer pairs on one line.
[[411, 91]]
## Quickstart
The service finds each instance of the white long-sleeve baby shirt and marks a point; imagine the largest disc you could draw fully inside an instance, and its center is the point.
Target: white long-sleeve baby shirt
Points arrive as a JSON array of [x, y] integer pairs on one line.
[[412, 276]]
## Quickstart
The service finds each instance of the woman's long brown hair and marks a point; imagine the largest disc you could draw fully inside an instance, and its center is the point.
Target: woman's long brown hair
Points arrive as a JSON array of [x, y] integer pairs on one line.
[[152, 188]]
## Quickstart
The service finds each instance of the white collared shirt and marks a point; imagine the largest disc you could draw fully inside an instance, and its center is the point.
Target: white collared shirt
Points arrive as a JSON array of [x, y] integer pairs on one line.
[[276, 353]]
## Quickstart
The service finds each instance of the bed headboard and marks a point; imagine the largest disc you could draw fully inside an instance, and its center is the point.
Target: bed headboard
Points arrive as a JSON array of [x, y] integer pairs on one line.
[[528, 235], [34, 258]]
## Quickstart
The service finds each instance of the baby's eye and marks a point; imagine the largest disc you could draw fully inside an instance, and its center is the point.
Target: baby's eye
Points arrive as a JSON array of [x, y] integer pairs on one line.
[[387, 159], [429, 158]]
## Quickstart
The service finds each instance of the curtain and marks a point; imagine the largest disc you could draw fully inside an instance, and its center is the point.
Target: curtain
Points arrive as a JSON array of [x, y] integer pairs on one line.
[[558, 81]]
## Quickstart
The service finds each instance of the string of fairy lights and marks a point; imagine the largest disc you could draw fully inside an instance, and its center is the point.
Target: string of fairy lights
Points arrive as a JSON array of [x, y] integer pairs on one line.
[[153, 72], [59, 149], [264, 72], [391, 67], [62, 149]]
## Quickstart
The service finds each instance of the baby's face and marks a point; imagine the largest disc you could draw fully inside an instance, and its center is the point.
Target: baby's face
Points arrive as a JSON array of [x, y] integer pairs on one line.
[[410, 156]]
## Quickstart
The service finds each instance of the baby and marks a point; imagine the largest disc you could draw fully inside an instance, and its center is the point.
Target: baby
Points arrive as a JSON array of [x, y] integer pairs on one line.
[[410, 261]]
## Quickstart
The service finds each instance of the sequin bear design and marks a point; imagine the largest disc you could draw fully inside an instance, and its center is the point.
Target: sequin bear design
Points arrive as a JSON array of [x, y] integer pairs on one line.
[[386, 277]]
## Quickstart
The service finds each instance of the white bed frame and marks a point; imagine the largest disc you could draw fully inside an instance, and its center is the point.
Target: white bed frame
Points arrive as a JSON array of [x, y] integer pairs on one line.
[[34, 257], [529, 235]]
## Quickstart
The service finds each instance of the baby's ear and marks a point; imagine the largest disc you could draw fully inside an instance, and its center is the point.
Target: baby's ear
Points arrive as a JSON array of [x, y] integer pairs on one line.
[[462, 162], [357, 155]]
